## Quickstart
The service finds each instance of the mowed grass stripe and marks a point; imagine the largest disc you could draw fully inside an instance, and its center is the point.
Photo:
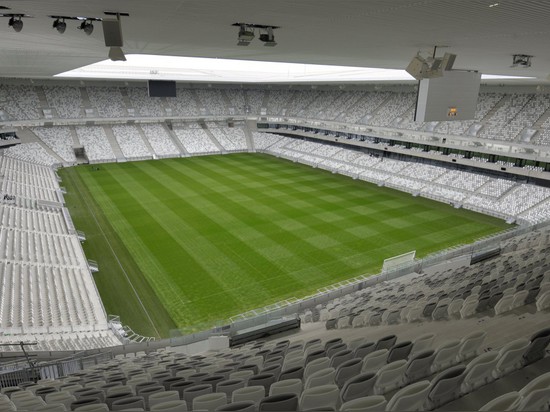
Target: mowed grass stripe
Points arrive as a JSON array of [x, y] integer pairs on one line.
[[215, 236]]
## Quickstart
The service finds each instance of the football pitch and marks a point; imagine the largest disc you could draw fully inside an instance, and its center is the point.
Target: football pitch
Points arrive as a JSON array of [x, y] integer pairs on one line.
[[188, 242]]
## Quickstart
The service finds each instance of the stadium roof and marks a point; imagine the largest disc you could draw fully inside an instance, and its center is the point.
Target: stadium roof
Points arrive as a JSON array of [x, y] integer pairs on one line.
[[484, 34]]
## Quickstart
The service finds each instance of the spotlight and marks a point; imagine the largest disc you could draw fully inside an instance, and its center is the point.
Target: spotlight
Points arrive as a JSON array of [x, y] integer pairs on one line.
[[87, 27], [521, 60], [268, 38], [17, 25], [61, 26], [246, 35]]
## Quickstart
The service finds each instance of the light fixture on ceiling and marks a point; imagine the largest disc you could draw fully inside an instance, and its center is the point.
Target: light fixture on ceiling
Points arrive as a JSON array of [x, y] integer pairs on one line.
[[268, 38], [60, 25], [87, 26], [15, 22], [427, 68], [521, 61], [246, 34]]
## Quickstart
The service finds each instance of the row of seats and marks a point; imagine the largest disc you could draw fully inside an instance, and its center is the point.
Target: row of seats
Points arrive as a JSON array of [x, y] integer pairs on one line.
[[497, 287], [513, 114], [46, 288], [291, 376]]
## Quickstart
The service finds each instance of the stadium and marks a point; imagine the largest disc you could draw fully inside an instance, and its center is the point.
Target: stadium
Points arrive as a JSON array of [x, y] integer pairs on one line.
[[245, 206]]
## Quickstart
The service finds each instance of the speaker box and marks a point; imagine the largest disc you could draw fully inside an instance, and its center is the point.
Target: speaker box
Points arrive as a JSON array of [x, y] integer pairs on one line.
[[112, 32]]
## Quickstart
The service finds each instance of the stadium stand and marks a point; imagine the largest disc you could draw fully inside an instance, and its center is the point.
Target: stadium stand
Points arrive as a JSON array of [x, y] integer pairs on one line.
[[59, 139], [95, 142], [66, 100], [437, 338], [160, 140], [132, 145], [47, 290], [490, 195], [196, 140]]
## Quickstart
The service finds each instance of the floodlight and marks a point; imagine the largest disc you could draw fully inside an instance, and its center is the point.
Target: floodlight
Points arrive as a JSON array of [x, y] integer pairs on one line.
[[87, 27], [61, 26], [521, 60], [17, 25], [246, 35], [268, 38]]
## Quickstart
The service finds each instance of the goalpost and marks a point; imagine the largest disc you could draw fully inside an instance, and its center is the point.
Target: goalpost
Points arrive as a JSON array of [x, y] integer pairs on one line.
[[398, 261]]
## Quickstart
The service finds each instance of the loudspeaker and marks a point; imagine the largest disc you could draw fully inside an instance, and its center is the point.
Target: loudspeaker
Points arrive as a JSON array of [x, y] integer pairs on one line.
[[112, 32]]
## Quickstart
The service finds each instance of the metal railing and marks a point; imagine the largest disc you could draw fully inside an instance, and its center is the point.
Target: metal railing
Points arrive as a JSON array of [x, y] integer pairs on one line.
[[21, 372]]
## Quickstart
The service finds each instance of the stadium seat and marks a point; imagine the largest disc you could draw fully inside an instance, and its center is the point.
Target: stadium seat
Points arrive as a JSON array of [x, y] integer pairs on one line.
[[209, 402], [265, 380], [422, 343], [470, 345], [374, 360], [445, 387], [250, 393], [364, 349], [510, 357], [536, 349], [386, 342], [128, 403], [286, 386], [52, 407], [369, 403], [281, 402], [399, 351], [191, 392], [326, 396], [98, 407], [506, 402], [358, 386], [446, 355], [420, 365], [321, 377], [480, 371], [410, 398], [390, 377], [170, 406], [347, 370], [316, 365], [535, 396], [244, 406], [162, 397]]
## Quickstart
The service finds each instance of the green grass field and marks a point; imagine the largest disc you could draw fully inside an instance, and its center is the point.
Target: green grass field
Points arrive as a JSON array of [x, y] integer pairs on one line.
[[184, 242]]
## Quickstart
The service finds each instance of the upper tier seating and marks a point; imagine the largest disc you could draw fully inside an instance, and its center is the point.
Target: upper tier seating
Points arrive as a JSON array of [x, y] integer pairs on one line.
[[66, 100]]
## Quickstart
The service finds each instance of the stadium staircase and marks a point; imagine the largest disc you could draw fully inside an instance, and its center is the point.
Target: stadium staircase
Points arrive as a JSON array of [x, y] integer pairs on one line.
[[86, 104], [249, 139], [175, 140], [146, 141], [114, 144], [211, 135]]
